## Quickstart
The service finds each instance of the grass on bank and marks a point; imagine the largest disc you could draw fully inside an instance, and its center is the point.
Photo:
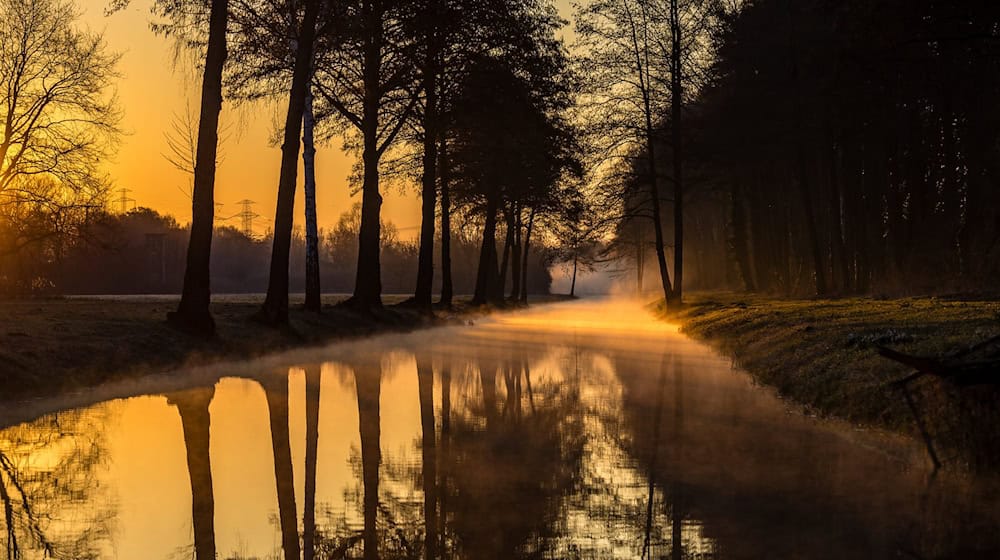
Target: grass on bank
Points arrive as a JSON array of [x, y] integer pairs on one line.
[[821, 353], [50, 345]]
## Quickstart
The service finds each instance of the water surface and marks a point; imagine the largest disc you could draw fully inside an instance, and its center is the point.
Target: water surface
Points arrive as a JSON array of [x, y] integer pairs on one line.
[[577, 430]]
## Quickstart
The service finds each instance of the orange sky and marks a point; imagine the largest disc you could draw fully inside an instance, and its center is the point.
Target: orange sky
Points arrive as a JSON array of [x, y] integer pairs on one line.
[[153, 90]]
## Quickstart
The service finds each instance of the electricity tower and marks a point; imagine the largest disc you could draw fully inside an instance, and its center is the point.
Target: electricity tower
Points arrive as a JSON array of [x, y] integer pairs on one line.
[[246, 215], [124, 200]]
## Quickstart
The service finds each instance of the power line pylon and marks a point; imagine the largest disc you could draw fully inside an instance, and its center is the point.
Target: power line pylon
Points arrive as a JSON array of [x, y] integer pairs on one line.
[[124, 199], [247, 216]]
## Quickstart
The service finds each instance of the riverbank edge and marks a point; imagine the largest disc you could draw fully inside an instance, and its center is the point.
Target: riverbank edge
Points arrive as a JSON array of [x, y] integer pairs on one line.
[[821, 355], [50, 346]]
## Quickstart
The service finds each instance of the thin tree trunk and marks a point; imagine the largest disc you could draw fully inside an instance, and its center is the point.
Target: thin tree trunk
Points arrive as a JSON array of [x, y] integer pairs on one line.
[[445, 456], [839, 248], [313, 302], [425, 259], [447, 289], [275, 309], [192, 312], [676, 106], [572, 286], [801, 172], [515, 272], [524, 259], [508, 243], [741, 248]]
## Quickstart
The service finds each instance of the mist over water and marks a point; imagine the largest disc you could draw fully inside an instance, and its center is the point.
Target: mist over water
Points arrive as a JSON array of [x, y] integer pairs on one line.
[[579, 430]]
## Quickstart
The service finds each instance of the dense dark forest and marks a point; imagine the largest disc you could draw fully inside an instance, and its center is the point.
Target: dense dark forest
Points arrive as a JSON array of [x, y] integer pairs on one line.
[[840, 148]]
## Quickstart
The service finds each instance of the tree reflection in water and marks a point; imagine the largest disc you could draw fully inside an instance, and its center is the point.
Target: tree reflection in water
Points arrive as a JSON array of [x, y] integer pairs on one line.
[[193, 406], [532, 449], [52, 506], [276, 391]]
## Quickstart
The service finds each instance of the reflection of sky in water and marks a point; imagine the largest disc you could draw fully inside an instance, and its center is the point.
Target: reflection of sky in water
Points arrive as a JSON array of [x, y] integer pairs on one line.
[[607, 396]]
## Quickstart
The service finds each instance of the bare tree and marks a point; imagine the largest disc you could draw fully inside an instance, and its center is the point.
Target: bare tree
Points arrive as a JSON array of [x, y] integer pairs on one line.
[[187, 21], [58, 116], [618, 42]]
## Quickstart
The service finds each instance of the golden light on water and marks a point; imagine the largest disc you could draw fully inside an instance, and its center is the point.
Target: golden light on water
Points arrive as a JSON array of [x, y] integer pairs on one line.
[[556, 433]]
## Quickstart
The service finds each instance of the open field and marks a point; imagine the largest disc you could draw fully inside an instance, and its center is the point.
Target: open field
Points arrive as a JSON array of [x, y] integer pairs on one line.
[[821, 353], [48, 345]]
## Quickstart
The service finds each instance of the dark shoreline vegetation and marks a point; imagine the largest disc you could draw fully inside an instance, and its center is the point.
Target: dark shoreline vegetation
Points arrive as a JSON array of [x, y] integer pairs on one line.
[[49, 346], [821, 353]]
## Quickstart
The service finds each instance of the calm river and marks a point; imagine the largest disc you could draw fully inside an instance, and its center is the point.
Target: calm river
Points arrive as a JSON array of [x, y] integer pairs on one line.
[[575, 430]]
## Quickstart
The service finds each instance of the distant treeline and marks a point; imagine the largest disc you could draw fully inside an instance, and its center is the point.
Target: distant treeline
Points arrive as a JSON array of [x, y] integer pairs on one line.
[[142, 252]]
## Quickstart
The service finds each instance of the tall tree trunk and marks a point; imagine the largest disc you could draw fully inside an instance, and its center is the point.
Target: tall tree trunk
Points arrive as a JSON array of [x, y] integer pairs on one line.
[[368, 380], [313, 302], [195, 421], [425, 381], [275, 309], [524, 258], [801, 171], [447, 289], [741, 246], [487, 273], [192, 312], [812, 230], [313, 380], [425, 259], [368, 282], [838, 247], [572, 286], [276, 393], [676, 106], [508, 243], [515, 263]]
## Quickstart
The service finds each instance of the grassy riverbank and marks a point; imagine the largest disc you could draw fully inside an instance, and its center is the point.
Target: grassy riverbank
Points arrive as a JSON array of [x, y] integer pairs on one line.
[[48, 345], [821, 353]]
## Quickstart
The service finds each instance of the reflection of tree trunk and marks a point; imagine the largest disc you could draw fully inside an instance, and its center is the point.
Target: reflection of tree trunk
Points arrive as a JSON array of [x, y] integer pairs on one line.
[[527, 383], [425, 379], [276, 391], [657, 420], [677, 512], [313, 378], [445, 449], [368, 380], [13, 549], [195, 422], [488, 378]]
